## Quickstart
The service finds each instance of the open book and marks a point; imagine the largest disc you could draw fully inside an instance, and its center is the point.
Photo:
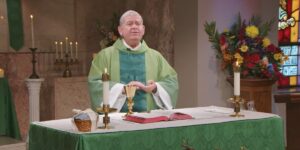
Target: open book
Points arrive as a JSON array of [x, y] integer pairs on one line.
[[157, 117]]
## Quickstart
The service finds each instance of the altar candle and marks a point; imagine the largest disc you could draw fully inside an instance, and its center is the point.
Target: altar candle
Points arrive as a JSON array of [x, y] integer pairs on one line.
[[237, 79], [32, 32], [56, 49], [76, 50], [71, 49], [1, 73], [67, 44], [105, 82], [61, 50]]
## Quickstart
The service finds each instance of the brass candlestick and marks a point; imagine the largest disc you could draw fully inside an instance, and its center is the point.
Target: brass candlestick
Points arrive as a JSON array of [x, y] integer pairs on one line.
[[130, 92], [237, 101], [106, 120], [34, 74]]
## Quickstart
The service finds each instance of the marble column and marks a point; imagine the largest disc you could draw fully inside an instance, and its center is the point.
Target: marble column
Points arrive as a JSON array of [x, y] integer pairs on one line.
[[34, 86]]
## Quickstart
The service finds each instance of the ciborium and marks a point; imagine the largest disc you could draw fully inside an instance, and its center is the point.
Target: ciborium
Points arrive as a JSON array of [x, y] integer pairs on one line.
[[130, 92]]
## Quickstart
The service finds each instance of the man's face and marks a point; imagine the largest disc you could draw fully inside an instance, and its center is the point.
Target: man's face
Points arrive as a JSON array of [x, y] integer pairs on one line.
[[132, 29]]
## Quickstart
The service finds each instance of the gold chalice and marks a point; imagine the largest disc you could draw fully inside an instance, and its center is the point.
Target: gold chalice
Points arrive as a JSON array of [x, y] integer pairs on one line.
[[130, 92]]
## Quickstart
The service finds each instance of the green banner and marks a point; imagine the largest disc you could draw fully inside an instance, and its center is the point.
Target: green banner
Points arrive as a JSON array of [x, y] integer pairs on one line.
[[15, 24]]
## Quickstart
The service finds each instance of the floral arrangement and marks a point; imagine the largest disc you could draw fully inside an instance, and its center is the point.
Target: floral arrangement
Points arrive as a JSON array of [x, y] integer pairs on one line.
[[108, 32], [246, 42]]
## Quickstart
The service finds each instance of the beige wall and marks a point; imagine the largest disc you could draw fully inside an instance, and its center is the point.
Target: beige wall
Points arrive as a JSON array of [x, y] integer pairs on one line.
[[185, 53]]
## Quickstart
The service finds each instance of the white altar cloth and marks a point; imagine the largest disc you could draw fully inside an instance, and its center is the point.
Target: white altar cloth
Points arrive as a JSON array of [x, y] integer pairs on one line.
[[201, 115]]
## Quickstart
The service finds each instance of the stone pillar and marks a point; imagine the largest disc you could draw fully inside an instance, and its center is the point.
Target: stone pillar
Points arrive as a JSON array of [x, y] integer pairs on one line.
[[34, 86]]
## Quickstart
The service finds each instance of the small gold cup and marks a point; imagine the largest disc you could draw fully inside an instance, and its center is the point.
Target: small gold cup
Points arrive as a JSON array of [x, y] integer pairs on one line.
[[130, 92]]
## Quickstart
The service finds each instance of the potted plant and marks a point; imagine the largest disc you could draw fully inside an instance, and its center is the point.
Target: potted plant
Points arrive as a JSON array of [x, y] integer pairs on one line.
[[259, 59]]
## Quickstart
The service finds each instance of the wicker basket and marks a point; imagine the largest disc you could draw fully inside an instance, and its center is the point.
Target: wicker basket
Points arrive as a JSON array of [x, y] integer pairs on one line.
[[83, 125]]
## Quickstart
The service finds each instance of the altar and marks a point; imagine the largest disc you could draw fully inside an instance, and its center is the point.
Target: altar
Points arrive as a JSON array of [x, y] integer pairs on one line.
[[210, 128]]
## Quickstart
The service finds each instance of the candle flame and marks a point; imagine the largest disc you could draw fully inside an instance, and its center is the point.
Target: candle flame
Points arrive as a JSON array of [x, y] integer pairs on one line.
[[61, 43], [67, 38], [71, 43], [76, 43], [31, 16], [237, 63], [55, 42]]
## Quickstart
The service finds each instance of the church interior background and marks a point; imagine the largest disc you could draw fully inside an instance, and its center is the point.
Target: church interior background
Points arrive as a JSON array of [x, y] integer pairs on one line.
[[174, 27]]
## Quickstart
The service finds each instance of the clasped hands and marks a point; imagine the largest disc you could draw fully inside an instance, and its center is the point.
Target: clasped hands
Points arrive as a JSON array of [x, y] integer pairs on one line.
[[150, 87]]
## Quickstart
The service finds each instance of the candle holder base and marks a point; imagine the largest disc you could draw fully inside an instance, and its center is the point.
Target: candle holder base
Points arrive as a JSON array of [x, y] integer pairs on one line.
[[237, 101], [34, 74], [67, 73], [106, 119]]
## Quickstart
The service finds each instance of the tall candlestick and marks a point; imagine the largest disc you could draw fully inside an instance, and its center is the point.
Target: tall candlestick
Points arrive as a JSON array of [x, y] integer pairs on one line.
[[32, 32], [76, 50], [236, 79], [105, 82], [61, 50], [56, 49], [67, 44], [71, 49]]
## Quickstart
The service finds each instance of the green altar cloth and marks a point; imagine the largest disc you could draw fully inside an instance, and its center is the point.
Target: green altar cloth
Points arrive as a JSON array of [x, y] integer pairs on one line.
[[8, 119], [255, 134]]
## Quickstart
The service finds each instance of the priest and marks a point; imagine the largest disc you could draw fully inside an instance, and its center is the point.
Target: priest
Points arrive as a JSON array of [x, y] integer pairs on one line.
[[130, 61]]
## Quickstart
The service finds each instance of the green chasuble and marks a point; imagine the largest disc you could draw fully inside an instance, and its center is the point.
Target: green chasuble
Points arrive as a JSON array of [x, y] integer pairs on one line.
[[124, 65]]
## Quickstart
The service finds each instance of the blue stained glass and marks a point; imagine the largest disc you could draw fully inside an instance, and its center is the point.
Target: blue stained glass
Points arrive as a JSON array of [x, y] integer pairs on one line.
[[289, 70], [291, 61], [286, 49], [294, 50]]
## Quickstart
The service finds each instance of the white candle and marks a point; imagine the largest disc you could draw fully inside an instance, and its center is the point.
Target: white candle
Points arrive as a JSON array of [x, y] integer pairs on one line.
[[56, 49], [1, 73], [76, 50], [237, 81], [61, 50], [71, 49], [105, 82], [32, 32], [67, 44]]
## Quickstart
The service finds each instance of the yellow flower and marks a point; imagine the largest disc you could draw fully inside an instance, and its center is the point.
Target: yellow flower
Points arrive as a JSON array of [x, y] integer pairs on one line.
[[226, 30], [285, 57], [252, 31], [244, 48], [266, 42], [239, 58], [277, 56]]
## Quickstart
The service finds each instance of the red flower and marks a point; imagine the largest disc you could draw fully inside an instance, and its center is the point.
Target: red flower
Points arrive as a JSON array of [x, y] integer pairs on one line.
[[271, 48], [222, 39]]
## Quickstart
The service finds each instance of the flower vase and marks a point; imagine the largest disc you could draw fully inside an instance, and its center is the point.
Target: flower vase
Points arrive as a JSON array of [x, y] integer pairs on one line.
[[257, 90]]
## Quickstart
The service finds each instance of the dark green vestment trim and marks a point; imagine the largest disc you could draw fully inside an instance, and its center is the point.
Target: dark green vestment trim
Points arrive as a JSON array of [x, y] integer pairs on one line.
[[132, 68]]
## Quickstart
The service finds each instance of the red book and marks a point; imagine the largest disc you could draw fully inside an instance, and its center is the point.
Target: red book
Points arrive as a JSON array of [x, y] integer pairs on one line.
[[150, 118]]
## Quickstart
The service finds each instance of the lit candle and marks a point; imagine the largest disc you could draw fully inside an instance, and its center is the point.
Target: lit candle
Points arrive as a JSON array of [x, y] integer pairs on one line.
[[56, 49], [61, 50], [237, 79], [1, 73], [32, 31], [105, 82], [67, 44], [71, 49], [76, 50]]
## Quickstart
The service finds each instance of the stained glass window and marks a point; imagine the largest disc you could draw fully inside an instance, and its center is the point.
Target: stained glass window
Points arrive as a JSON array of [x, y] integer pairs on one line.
[[289, 41]]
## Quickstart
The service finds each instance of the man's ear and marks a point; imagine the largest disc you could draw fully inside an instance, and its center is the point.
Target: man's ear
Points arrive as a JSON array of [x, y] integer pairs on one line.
[[120, 31]]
